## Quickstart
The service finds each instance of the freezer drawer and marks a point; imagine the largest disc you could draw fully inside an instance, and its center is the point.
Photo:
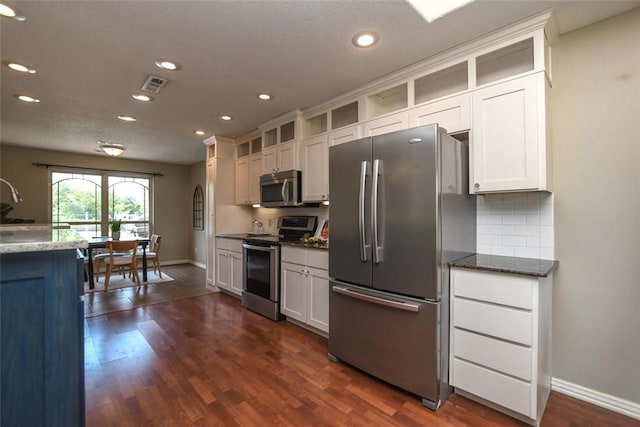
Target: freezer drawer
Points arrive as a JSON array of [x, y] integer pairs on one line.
[[394, 339]]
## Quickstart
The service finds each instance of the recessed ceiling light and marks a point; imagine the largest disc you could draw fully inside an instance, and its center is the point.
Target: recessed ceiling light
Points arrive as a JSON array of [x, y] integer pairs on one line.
[[127, 118], [365, 39], [11, 13], [264, 96], [199, 132], [167, 65], [27, 98], [140, 97], [110, 148], [226, 118], [19, 67]]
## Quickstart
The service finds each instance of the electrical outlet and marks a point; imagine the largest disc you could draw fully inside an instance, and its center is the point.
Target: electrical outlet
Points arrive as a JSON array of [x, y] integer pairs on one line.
[[270, 222]]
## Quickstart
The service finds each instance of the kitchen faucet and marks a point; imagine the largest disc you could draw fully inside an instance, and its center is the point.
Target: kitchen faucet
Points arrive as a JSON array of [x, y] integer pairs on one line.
[[15, 194]]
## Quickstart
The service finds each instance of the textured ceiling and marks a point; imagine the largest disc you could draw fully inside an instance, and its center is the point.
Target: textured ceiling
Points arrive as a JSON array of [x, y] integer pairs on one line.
[[92, 55]]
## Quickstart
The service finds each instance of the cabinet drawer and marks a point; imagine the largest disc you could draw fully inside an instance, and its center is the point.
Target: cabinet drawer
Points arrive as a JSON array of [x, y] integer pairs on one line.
[[501, 389], [294, 255], [501, 356], [318, 258], [229, 244], [501, 322], [505, 289]]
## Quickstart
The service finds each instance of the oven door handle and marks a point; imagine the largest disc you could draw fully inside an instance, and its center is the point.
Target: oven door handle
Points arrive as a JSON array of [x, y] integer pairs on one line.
[[260, 248]]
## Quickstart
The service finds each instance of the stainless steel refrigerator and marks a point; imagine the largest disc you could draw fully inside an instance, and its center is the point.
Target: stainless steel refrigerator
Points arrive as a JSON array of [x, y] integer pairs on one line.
[[400, 211]]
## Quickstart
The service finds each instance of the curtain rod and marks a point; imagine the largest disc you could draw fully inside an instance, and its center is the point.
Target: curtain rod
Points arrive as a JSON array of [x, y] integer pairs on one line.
[[47, 165]]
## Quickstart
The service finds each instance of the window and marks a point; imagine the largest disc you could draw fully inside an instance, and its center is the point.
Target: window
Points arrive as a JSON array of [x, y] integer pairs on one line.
[[198, 207], [88, 201]]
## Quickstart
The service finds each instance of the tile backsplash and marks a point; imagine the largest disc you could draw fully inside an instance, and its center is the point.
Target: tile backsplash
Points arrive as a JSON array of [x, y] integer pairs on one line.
[[518, 224]]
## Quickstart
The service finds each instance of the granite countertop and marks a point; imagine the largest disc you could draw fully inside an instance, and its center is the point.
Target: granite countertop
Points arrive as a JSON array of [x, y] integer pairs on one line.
[[232, 236], [38, 238], [506, 264], [306, 245]]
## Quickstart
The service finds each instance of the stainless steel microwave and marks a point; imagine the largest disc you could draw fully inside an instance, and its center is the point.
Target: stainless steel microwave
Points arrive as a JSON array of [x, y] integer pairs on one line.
[[281, 189]]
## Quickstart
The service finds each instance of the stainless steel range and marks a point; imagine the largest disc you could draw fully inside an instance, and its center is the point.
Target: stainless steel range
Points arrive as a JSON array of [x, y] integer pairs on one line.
[[261, 264]]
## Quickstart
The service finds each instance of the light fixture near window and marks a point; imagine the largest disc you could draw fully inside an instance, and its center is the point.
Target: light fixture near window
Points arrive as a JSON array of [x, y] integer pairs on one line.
[[111, 148]]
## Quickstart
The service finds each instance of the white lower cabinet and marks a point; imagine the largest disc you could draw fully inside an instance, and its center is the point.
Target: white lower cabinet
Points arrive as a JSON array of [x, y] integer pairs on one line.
[[229, 265], [501, 340], [305, 286]]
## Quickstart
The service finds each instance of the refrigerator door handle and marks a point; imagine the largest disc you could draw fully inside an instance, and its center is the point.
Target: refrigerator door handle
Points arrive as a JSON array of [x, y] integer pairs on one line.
[[401, 305], [377, 248], [364, 168]]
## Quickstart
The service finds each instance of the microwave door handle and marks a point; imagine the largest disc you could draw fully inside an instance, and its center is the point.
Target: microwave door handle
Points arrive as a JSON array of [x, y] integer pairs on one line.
[[364, 169], [377, 248], [285, 195]]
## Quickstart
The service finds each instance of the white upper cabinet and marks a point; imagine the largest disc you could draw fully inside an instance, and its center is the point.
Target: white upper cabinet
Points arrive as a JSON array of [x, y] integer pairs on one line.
[[344, 134], [508, 144], [315, 169], [280, 138], [248, 171], [386, 124], [242, 181], [453, 114]]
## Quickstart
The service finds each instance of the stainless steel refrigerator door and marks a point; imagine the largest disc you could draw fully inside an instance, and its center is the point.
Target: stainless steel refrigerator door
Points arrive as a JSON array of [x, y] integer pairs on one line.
[[394, 339], [349, 186], [407, 229]]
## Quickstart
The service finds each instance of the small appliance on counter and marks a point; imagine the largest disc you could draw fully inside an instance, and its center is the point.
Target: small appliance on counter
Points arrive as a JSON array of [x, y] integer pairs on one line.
[[261, 263]]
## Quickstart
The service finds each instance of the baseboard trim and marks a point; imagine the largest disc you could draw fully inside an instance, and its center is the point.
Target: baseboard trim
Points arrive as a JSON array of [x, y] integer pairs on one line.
[[178, 261], [198, 264], [613, 403]]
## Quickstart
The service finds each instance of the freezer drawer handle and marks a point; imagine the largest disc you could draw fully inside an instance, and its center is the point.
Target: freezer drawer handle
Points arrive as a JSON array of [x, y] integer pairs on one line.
[[377, 300]]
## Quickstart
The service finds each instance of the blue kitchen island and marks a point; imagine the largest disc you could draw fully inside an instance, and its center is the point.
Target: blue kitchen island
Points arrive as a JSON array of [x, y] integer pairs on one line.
[[41, 327]]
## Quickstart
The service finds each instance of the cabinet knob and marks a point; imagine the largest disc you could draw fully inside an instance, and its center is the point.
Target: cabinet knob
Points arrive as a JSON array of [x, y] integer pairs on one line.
[[476, 186], [302, 271]]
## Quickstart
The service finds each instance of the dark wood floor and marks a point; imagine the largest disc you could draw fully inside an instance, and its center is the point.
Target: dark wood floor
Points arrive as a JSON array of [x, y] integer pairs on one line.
[[206, 361]]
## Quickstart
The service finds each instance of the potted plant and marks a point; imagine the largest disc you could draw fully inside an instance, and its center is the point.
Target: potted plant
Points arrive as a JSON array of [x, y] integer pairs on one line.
[[115, 228]]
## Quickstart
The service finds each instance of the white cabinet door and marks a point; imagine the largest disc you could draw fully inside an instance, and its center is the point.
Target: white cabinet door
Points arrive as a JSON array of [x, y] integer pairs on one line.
[[508, 138], [287, 157], [453, 114], [392, 123], [315, 169], [255, 170], [318, 298], [269, 160], [343, 135], [236, 272], [242, 182], [293, 291], [223, 269]]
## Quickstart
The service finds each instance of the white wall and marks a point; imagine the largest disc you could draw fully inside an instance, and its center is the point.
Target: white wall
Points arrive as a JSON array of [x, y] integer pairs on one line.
[[595, 118]]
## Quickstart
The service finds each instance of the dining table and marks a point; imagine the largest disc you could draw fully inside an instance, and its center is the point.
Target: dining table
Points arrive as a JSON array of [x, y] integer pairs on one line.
[[101, 242]]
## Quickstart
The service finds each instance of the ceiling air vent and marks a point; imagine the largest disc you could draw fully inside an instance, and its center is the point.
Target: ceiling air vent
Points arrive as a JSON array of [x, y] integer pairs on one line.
[[154, 84]]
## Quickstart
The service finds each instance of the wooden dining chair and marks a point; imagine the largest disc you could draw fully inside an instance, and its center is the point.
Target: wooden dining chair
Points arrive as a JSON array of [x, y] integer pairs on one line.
[[153, 253], [116, 260]]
